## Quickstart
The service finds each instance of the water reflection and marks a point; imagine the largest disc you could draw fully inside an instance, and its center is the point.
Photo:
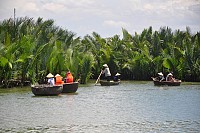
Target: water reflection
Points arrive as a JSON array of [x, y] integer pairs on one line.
[[129, 107]]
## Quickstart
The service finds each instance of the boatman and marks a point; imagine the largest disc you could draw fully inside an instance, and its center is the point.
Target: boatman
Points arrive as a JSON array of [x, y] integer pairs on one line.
[[106, 71], [170, 77]]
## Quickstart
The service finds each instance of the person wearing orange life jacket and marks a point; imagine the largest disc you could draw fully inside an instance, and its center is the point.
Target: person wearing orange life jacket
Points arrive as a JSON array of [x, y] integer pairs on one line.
[[58, 79], [69, 77]]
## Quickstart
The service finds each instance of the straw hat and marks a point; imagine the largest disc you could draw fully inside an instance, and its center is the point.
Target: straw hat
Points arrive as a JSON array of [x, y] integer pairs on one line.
[[160, 73], [170, 74], [105, 65], [50, 75], [117, 74], [57, 75]]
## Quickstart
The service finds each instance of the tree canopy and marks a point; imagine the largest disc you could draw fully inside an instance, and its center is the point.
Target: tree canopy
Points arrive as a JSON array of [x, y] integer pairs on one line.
[[30, 49]]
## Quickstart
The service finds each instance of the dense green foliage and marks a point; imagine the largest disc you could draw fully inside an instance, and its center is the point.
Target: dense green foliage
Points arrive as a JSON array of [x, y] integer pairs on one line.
[[30, 49]]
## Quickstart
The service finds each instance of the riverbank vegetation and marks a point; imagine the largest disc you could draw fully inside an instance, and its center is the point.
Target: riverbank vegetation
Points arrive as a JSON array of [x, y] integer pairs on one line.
[[30, 49]]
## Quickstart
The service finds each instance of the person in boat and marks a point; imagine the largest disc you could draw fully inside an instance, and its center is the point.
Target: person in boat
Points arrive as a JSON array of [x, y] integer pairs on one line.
[[58, 79], [116, 77], [106, 71], [51, 79], [170, 77], [160, 77], [69, 77]]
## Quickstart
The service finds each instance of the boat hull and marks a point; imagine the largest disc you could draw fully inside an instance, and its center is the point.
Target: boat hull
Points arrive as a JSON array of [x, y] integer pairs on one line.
[[70, 87], [168, 83], [46, 90], [108, 83]]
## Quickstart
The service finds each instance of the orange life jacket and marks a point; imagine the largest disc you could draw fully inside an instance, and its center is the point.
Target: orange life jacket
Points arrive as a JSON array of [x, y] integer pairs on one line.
[[59, 80], [69, 78]]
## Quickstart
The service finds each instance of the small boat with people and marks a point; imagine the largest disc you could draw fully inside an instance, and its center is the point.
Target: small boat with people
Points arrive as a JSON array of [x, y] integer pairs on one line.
[[70, 87], [169, 81], [49, 89], [107, 82], [55, 85], [46, 90]]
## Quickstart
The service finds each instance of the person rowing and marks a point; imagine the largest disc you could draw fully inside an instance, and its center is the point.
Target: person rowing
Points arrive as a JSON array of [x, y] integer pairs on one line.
[[106, 71], [170, 77]]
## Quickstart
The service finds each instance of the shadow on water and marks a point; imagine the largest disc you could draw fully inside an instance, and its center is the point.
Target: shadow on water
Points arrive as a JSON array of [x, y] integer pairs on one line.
[[76, 93], [59, 96]]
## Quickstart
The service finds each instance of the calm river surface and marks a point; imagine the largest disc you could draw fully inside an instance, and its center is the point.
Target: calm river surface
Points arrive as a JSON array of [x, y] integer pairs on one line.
[[129, 107]]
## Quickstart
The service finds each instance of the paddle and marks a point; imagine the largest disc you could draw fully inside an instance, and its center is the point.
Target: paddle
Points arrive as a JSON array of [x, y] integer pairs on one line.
[[98, 77]]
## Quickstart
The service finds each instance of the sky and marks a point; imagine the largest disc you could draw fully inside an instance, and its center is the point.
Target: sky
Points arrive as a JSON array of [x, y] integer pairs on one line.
[[108, 17]]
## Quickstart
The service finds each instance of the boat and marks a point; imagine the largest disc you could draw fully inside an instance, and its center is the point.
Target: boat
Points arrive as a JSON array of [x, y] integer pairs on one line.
[[109, 83], [168, 83], [46, 90], [70, 87]]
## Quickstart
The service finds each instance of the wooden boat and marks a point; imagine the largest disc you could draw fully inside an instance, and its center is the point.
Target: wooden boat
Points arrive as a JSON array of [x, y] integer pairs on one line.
[[70, 87], [46, 90], [109, 83], [169, 83]]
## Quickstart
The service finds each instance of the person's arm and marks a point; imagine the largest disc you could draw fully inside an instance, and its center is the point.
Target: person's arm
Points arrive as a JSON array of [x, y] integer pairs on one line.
[[162, 79], [103, 71]]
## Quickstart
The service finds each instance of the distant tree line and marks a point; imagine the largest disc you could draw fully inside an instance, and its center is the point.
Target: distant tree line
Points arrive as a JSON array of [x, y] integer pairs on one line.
[[30, 49]]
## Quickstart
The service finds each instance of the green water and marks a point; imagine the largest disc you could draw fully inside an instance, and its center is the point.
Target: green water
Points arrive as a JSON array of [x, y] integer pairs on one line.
[[128, 107]]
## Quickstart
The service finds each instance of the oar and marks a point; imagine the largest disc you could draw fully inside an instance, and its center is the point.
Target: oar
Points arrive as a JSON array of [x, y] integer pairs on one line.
[[98, 77]]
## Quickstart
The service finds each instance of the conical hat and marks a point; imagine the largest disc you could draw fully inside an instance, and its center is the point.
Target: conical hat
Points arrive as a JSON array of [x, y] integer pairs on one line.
[[160, 73], [105, 65], [170, 74], [117, 74], [57, 75], [50, 75]]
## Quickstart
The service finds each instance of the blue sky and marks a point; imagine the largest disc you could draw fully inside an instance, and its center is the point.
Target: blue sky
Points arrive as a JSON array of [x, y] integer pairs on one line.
[[108, 17]]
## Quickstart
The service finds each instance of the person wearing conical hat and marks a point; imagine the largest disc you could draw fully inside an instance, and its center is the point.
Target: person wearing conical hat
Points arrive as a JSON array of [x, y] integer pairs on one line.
[[51, 80], [58, 79], [116, 77], [160, 76], [170, 77], [106, 71]]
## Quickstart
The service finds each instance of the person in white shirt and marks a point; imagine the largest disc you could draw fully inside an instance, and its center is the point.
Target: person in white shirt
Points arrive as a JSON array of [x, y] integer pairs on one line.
[[51, 79], [106, 71], [160, 76]]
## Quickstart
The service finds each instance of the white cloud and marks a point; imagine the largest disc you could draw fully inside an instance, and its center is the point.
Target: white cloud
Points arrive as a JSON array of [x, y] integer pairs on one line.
[[115, 23], [148, 7], [83, 16], [54, 7], [30, 6]]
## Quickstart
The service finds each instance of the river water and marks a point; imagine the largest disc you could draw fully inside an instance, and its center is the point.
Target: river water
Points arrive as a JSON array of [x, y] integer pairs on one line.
[[128, 107]]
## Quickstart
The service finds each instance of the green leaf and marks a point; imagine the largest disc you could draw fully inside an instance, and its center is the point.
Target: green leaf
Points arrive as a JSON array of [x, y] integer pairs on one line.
[[20, 60], [167, 63], [10, 65], [3, 61]]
